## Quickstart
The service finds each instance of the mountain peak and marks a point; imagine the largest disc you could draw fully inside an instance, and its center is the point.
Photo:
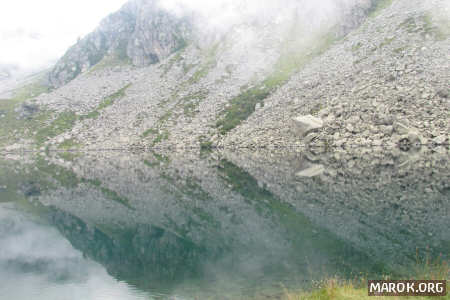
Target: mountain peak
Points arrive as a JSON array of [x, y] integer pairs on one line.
[[140, 33]]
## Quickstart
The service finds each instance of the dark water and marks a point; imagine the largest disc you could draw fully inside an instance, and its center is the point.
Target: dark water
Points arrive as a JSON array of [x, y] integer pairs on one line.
[[219, 225]]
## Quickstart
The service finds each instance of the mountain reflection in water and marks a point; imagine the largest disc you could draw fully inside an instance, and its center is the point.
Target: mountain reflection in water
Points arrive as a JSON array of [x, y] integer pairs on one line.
[[116, 225]]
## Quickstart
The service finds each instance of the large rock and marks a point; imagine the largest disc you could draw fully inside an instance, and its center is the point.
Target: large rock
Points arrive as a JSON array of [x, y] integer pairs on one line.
[[26, 110], [312, 171], [407, 137], [306, 124]]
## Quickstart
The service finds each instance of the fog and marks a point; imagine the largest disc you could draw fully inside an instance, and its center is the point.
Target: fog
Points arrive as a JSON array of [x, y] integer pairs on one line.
[[34, 34], [224, 14], [47, 266]]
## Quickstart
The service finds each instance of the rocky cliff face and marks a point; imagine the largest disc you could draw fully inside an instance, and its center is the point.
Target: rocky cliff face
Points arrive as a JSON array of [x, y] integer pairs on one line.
[[139, 32]]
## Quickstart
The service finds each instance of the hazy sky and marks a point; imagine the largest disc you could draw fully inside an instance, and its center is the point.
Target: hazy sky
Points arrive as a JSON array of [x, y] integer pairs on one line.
[[34, 33]]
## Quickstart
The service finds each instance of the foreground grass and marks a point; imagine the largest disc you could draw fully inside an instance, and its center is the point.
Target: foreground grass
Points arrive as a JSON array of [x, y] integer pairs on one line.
[[334, 289], [347, 291]]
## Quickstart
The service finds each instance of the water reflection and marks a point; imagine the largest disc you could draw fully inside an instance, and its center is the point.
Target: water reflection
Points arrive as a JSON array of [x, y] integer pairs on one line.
[[46, 266], [234, 224]]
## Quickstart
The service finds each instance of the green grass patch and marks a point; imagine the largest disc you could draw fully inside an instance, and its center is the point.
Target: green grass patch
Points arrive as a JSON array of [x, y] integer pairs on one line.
[[159, 134], [161, 158], [63, 176], [188, 67], [112, 195], [109, 194], [335, 289], [164, 118], [399, 50], [12, 127], [92, 115], [157, 161], [386, 42], [43, 125], [29, 91], [357, 46], [171, 62], [209, 63], [68, 156], [163, 136], [439, 29], [241, 107], [206, 146], [150, 131], [151, 164], [110, 62], [64, 122], [379, 6], [69, 144], [47, 176], [426, 25], [191, 102], [106, 102]]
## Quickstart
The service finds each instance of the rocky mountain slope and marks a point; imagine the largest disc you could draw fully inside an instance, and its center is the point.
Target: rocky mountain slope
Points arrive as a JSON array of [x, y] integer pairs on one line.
[[385, 83], [370, 73]]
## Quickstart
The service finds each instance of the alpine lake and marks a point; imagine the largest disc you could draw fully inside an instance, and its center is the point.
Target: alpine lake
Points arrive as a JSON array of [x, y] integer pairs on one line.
[[129, 225]]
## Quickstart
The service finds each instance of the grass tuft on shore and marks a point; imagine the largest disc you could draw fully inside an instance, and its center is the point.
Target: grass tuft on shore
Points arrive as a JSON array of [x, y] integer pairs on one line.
[[335, 289]]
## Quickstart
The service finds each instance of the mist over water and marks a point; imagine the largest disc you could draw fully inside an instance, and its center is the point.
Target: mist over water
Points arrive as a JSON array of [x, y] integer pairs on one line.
[[139, 225], [37, 262]]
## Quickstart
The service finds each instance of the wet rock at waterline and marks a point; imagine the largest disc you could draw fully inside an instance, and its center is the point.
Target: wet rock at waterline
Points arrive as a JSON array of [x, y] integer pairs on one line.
[[303, 125]]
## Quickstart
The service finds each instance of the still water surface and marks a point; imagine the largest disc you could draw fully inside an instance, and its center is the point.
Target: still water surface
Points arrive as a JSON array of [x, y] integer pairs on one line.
[[222, 225]]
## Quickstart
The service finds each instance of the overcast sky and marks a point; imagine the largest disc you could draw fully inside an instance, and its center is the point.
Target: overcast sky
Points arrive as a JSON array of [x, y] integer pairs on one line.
[[34, 33]]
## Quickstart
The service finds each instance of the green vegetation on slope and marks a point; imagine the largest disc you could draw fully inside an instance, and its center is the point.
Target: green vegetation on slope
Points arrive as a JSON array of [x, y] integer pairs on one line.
[[378, 6], [63, 122], [110, 62], [108, 101], [209, 63], [11, 126], [188, 103], [426, 25], [43, 124], [40, 126], [243, 105], [192, 101], [171, 62]]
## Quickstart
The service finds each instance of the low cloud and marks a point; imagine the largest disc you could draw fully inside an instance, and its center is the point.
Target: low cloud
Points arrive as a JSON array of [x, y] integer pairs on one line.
[[34, 34], [221, 15]]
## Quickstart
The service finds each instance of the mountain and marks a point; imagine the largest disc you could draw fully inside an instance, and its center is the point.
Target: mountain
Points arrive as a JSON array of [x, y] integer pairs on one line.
[[139, 32], [371, 73]]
